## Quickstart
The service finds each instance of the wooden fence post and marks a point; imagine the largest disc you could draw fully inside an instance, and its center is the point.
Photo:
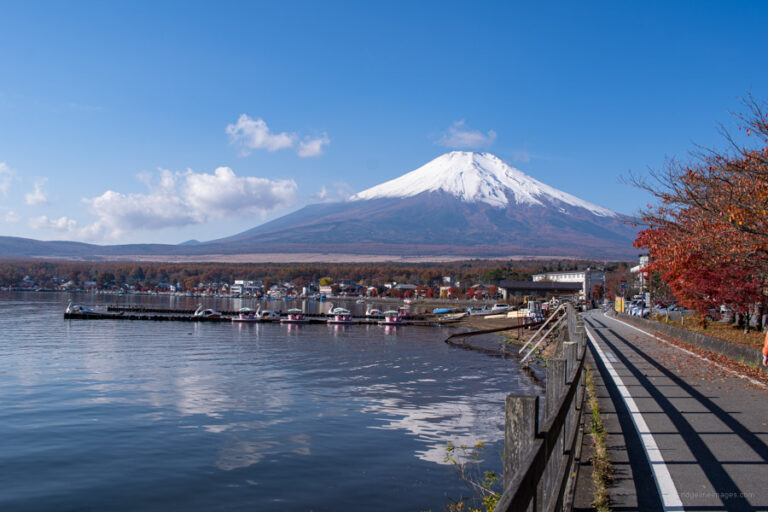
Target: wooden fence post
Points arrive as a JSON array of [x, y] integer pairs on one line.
[[520, 428], [569, 354], [555, 388]]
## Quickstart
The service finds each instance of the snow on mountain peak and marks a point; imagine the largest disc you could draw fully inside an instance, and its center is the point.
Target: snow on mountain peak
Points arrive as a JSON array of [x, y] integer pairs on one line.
[[476, 177]]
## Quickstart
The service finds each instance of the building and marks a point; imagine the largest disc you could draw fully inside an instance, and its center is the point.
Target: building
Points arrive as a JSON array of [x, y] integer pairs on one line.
[[588, 278], [639, 269], [510, 289], [244, 287]]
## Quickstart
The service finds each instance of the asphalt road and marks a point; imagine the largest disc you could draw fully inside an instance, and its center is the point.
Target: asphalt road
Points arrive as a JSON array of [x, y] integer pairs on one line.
[[684, 433]]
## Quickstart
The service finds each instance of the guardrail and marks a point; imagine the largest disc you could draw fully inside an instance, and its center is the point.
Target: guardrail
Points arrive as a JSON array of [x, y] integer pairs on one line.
[[540, 446]]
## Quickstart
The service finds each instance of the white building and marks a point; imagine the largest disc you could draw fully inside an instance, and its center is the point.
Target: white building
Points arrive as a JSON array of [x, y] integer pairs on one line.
[[642, 276], [588, 279], [244, 287]]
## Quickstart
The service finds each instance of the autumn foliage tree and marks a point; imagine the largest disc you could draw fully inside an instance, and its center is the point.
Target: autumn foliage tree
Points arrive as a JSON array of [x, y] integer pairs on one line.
[[708, 236]]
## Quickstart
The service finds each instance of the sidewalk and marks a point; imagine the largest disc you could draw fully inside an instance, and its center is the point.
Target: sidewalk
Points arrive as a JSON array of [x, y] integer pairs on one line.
[[683, 433]]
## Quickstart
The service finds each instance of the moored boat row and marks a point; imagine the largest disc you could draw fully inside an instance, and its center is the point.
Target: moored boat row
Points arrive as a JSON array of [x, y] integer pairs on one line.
[[338, 316]]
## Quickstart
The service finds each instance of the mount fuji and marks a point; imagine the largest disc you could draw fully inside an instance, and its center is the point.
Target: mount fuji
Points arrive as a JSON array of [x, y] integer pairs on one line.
[[461, 204]]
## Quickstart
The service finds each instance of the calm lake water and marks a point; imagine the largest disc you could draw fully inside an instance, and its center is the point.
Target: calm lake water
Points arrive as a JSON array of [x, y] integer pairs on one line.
[[129, 415]]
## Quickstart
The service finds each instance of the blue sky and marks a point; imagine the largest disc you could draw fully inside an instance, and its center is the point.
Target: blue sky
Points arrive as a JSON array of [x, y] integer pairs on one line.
[[115, 116]]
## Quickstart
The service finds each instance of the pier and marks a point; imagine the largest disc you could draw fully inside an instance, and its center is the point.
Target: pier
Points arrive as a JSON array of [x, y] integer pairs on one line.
[[141, 313]]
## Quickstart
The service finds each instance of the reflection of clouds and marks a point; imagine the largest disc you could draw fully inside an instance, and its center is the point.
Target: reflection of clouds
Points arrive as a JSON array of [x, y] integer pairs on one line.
[[241, 454], [462, 421]]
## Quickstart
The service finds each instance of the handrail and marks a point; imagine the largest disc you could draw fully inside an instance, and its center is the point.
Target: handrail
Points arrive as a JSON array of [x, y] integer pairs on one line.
[[533, 348], [561, 306]]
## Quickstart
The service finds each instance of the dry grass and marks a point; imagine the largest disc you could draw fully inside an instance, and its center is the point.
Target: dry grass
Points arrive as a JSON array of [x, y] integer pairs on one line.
[[601, 464], [724, 331]]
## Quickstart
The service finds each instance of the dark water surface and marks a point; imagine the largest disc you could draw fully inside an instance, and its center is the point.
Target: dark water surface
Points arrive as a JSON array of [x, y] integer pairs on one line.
[[129, 415]]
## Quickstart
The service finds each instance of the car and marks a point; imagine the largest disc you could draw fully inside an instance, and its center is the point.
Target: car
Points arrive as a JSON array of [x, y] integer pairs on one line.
[[500, 308]]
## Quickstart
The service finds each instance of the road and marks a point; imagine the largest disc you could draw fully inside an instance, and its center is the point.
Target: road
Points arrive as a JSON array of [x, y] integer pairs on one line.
[[684, 433]]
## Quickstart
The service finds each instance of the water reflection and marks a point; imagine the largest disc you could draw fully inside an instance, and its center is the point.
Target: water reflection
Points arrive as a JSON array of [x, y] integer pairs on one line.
[[461, 422], [241, 403]]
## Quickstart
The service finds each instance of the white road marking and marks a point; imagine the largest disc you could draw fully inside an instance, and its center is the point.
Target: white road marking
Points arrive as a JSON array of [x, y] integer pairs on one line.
[[667, 490], [737, 374], [610, 356]]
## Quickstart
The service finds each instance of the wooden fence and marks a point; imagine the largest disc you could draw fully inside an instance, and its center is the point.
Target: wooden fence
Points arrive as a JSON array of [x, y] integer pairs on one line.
[[540, 446]]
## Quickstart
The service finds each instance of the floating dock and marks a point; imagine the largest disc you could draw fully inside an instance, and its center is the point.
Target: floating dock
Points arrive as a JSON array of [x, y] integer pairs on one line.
[[187, 315]]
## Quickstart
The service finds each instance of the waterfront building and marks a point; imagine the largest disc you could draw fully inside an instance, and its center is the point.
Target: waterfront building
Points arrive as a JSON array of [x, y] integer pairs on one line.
[[589, 278]]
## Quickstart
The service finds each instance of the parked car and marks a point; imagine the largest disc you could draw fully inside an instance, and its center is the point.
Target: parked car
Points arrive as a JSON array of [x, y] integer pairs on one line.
[[638, 308]]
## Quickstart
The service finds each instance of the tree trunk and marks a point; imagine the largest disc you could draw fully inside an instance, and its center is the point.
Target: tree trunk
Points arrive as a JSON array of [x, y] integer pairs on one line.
[[746, 323]]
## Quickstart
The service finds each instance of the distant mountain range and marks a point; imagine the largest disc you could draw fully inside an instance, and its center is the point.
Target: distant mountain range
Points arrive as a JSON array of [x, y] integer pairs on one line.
[[460, 204]]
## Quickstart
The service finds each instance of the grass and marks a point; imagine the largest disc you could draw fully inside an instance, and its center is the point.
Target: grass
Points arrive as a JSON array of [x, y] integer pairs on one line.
[[602, 469], [724, 331], [466, 460]]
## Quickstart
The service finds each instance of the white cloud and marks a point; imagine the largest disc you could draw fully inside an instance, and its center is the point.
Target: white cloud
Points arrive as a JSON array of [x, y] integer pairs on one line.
[[312, 147], [254, 134], [11, 217], [68, 227], [223, 193], [37, 196], [7, 175], [250, 134], [181, 199], [459, 137], [340, 191], [63, 224]]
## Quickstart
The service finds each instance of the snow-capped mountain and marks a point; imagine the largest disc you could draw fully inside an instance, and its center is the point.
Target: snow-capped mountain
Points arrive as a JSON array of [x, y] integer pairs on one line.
[[476, 177], [460, 204]]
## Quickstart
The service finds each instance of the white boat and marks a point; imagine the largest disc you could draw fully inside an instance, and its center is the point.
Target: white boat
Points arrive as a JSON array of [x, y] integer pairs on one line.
[[246, 315], [373, 312], [295, 316], [79, 309], [267, 315], [206, 313], [338, 311], [444, 319], [392, 317]]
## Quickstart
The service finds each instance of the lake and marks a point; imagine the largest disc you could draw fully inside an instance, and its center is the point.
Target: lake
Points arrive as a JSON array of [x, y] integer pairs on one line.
[[133, 415]]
